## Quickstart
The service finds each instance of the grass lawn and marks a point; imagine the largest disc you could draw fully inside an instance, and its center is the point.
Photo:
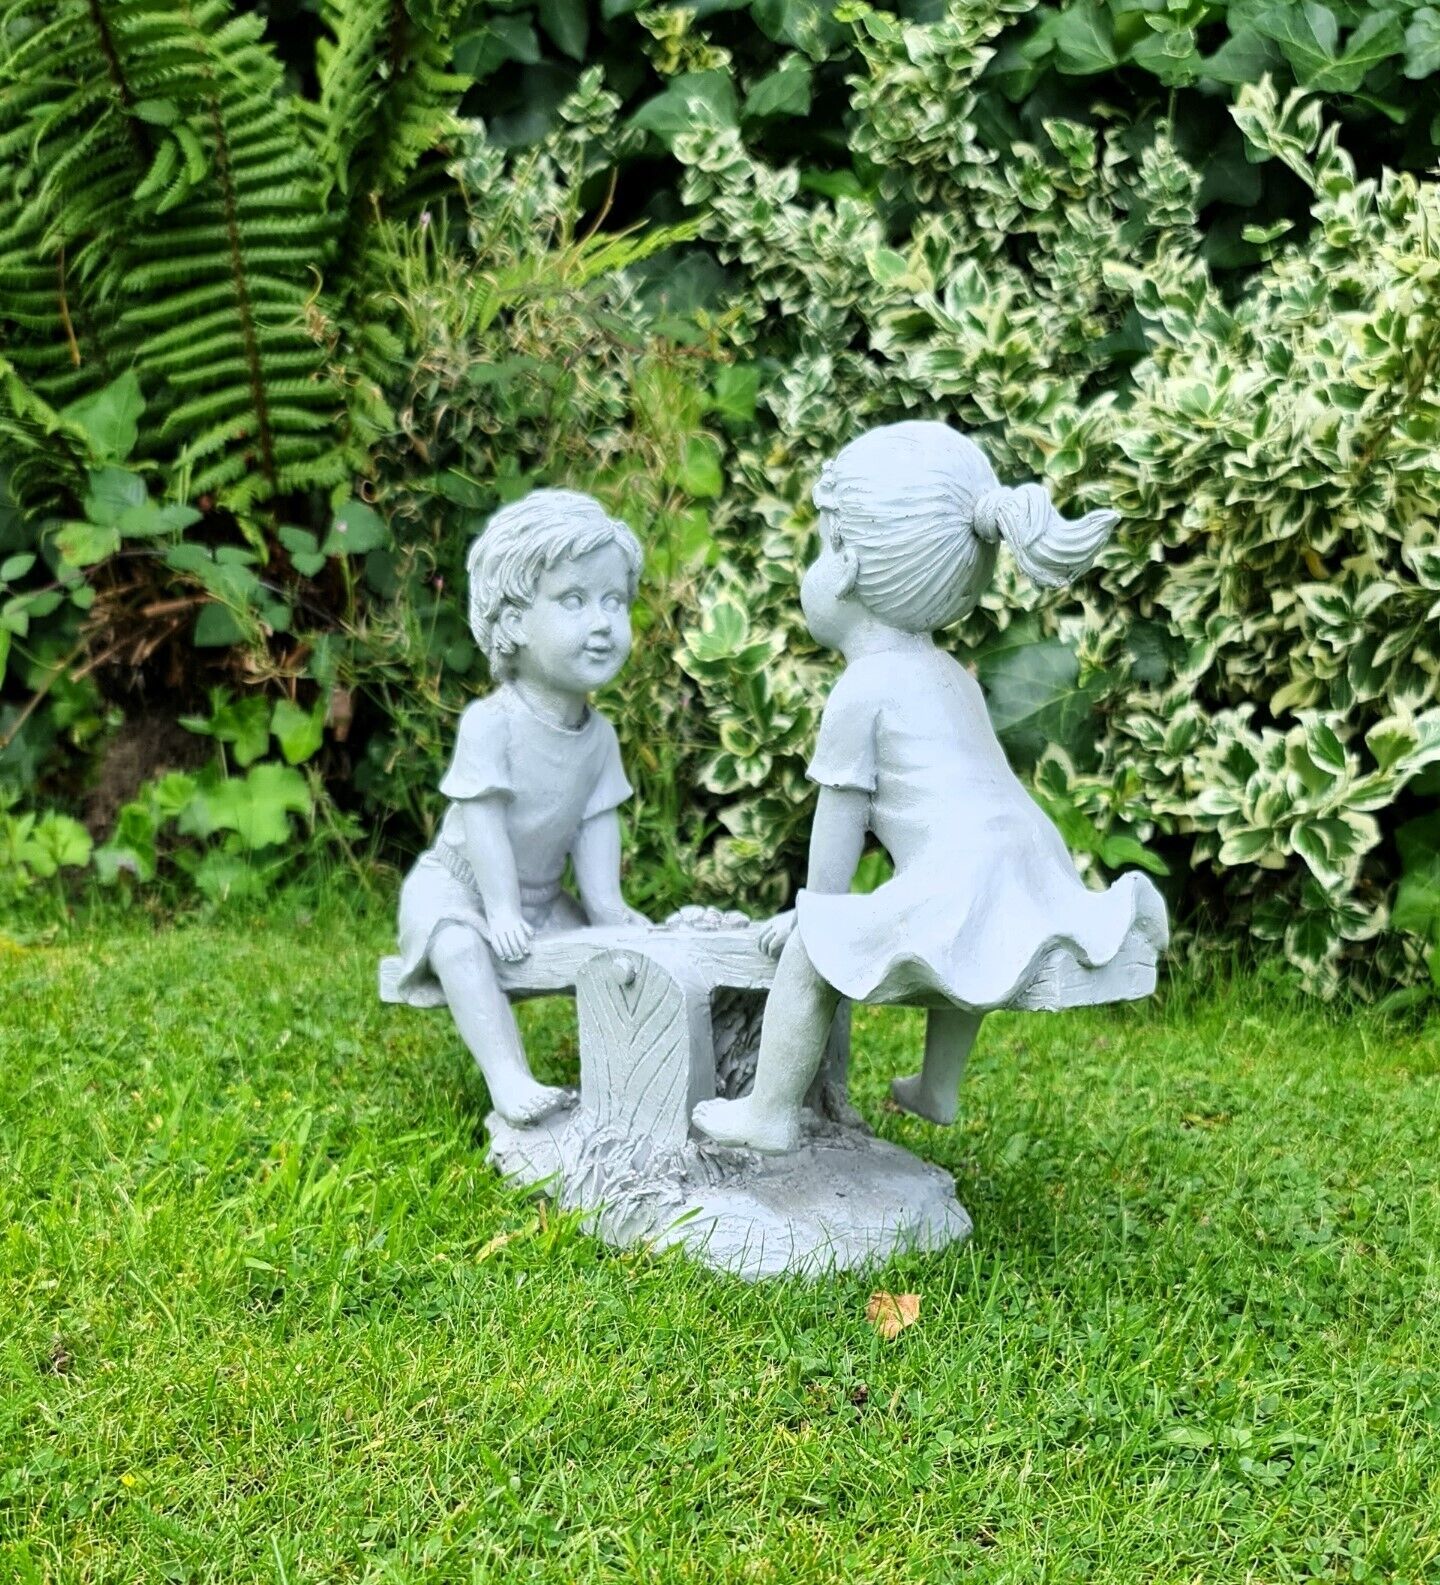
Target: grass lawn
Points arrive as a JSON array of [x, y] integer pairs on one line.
[[266, 1315]]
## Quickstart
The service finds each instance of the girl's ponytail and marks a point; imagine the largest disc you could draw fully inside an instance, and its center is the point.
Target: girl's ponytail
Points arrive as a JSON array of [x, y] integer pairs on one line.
[[1051, 549], [923, 512]]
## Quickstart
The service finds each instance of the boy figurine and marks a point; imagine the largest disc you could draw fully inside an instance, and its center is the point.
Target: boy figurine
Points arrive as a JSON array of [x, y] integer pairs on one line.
[[535, 779]]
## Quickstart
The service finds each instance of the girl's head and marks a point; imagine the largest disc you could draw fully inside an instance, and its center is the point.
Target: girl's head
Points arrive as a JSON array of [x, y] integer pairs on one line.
[[911, 516], [552, 579]]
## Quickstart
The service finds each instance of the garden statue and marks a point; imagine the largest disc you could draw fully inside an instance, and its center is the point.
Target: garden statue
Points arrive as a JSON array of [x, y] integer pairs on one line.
[[535, 780], [985, 909], [712, 1109]]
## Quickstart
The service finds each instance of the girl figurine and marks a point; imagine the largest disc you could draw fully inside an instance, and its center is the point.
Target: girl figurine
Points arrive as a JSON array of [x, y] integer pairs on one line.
[[535, 780], [985, 908]]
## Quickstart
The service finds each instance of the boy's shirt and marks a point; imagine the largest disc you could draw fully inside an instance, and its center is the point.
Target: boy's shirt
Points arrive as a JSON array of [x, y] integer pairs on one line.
[[551, 778]]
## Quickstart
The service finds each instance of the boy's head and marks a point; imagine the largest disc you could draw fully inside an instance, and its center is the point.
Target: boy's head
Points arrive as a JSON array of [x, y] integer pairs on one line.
[[552, 579]]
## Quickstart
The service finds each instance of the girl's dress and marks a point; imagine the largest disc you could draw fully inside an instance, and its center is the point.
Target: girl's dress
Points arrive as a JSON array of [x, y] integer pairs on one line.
[[985, 909], [552, 778]]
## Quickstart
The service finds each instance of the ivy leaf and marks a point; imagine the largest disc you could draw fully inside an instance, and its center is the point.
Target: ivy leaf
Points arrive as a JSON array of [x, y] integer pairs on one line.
[[833, 184], [784, 92], [1377, 39], [737, 386], [1244, 57], [568, 23], [1308, 35], [110, 417], [14, 567], [298, 731], [1034, 696], [242, 723], [502, 39], [1171, 57], [1084, 40]]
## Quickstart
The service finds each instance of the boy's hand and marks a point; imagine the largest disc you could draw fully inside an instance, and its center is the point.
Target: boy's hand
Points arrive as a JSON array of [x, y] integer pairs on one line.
[[777, 932], [510, 937]]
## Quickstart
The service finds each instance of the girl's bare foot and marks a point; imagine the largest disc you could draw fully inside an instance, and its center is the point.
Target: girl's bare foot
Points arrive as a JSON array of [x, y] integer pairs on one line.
[[740, 1123], [912, 1095]]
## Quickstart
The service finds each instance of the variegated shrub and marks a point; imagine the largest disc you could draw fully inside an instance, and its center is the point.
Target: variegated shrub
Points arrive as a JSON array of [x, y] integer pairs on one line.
[[1247, 686]]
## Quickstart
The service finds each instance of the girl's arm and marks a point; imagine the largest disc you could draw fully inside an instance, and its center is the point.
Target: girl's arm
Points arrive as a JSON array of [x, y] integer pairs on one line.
[[487, 846], [596, 857], [837, 838]]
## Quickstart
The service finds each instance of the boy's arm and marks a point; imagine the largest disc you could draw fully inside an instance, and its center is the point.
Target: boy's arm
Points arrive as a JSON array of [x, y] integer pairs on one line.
[[487, 846], [596, 857]]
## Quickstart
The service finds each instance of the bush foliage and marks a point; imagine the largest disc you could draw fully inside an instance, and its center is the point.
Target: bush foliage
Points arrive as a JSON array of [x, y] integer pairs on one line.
[[273, 352]]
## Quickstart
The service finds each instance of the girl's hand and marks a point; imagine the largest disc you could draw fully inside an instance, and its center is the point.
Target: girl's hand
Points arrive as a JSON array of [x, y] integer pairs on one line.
[[777, 932], [623, 915], [510, 937]]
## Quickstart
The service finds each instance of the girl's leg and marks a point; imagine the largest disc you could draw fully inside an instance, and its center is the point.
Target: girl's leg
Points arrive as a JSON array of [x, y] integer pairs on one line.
[[934, 1092], [797, 1022], [482, 1013]]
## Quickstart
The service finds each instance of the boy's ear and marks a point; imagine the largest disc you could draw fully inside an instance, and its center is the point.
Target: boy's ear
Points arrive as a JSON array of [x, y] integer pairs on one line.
[[849, 573], [508, 623]]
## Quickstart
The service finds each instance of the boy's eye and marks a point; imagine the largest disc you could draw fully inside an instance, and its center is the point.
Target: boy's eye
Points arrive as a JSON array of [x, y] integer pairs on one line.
[[613, 602], [572, 601]]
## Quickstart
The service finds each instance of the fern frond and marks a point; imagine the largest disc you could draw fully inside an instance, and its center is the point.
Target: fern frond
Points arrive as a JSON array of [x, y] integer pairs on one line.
[[190, 240]]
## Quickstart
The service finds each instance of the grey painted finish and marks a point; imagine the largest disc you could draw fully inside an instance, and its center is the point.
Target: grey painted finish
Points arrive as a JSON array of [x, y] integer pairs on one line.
[[702, 1119], [667, 1018]]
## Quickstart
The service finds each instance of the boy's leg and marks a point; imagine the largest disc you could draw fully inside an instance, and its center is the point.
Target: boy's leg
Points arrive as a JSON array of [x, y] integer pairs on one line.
[[482, 1013], [798, 1014], [934, 1092]]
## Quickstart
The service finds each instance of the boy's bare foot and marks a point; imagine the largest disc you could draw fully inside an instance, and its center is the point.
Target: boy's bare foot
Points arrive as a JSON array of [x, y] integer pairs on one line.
[[741, 1123], [523, 1102], [911, 1095]]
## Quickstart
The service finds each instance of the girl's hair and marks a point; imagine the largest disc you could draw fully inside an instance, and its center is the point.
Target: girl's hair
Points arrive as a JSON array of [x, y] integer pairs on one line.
[[923, 511], [525, 539]]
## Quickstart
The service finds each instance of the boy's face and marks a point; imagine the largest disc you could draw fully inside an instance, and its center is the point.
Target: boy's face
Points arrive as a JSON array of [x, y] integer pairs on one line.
[[575, 635]]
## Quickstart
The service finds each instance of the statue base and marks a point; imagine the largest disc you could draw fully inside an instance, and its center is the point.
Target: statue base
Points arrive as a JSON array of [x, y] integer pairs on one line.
[[843, 1201]]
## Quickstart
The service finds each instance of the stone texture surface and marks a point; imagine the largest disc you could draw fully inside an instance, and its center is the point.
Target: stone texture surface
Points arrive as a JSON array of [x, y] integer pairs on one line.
[[670, 1016], [843, 1200]]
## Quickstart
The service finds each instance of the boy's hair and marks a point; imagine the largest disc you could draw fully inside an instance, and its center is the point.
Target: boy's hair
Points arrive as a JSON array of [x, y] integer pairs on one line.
[[523, 540]]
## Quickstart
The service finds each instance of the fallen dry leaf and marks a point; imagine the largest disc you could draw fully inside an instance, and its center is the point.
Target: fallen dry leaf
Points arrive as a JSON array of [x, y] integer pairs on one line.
[[891, 1313]]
